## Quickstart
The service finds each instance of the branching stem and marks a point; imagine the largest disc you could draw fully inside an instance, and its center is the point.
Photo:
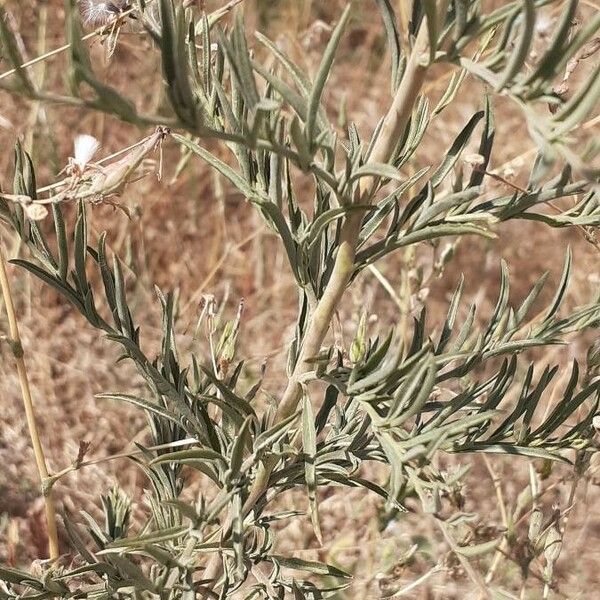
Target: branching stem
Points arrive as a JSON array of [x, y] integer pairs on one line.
[[393, 129]]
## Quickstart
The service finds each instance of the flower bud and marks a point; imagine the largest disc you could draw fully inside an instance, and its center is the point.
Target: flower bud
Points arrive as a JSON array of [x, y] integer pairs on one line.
[[358, 349]]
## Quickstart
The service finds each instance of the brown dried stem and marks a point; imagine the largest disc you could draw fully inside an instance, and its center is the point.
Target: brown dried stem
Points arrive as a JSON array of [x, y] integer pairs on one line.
[[38, 450]]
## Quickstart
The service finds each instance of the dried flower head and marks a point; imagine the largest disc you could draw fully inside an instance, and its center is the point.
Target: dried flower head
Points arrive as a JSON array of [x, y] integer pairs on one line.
[[97, 14], [34, 209], [36, 212]]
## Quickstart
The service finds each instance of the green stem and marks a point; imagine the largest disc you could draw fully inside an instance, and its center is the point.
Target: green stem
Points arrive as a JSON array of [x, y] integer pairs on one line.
[[392, 131]]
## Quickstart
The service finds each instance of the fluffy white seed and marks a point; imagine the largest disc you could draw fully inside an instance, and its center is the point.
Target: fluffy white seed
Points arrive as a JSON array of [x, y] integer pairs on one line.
[[96, 13], [85, 148]]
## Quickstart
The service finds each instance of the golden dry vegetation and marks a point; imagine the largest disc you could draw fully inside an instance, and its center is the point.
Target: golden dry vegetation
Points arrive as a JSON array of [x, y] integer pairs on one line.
[[193, 234]]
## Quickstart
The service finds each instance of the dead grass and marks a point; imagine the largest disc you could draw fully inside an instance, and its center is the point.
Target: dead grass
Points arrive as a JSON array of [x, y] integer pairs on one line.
[[224, 250]]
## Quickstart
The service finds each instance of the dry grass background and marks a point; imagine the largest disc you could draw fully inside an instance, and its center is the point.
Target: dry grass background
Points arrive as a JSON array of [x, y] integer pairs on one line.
[[196, 236]]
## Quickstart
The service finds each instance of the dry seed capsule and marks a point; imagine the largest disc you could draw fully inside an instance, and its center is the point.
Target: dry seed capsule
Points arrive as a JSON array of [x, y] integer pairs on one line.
[[535, 524], [430, 499], [553, 545]]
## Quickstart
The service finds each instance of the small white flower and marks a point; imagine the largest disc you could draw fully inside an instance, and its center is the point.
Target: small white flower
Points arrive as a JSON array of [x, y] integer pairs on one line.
[[85, 148]]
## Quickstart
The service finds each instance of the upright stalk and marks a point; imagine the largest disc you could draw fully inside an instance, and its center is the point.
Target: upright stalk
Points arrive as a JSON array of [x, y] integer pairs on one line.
[[392, 130], [38, 451]]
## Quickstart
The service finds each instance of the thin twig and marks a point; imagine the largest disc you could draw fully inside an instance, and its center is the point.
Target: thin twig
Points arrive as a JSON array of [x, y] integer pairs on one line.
[[497, 481], [387, 286], [417, 582], [471, 572], [34, 61], [95, 461]]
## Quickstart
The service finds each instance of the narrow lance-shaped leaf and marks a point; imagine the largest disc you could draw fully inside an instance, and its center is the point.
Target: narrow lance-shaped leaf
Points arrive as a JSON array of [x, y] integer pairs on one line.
[[431, 16], [379, 170], [309, 443], [395, 460], [457, 147], [155, 537], [451, 317], [513, 450], [522, 311], [238, 533], [190, 456], [175, 63], [150, 407], [243, 65], [66, 290], [393, 38], [299, 78], [80, 248], [121, 299], [305, 565], [519, 54], [108, 279], [269, 438], [61, 242], [239, 447], [485, 146], [562, 287], [322, 76]]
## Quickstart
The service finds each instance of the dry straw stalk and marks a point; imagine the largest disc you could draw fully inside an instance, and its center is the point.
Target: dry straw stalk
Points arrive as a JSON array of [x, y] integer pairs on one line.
[[38, 450]]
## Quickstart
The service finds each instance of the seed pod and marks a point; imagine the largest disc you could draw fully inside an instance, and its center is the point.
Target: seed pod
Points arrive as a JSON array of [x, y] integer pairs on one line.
[[431, 502], [553, 545], [535, 525]]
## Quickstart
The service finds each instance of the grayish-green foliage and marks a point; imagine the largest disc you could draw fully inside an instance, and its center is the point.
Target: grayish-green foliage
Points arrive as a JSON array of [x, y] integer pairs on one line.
[[382, 405]]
